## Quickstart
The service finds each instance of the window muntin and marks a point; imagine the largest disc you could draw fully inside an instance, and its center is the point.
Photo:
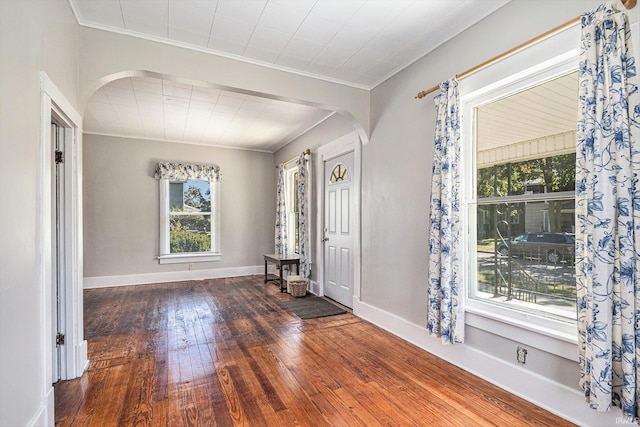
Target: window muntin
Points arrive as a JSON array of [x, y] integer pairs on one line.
[[339, 173], [523, 207]]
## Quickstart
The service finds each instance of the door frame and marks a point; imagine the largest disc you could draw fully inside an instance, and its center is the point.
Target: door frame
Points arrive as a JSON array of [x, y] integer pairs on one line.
[[333, 149], [55, 106], [59, 225]]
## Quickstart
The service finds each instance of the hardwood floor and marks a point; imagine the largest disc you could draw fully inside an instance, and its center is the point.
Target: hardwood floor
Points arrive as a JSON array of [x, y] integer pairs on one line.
[[224, 352]]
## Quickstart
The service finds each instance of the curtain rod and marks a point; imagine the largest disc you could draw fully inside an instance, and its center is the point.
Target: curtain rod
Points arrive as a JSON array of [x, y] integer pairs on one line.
[[629, 4], [307, 151]]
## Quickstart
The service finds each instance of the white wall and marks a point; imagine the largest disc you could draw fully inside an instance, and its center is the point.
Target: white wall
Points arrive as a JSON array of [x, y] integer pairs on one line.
[[34, 36], [396, 184], [121, 207]]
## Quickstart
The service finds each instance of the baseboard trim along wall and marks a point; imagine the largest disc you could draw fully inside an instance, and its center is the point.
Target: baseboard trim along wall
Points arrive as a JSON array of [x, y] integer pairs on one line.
[[554, 397], [44, 416], [173, 276]]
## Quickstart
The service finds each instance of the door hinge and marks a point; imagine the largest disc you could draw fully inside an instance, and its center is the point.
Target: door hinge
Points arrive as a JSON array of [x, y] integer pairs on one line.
[[59, 157], [59, 339]]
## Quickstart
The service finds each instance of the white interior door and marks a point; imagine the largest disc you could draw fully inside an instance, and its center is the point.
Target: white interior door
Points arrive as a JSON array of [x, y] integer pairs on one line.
[[339, 216]]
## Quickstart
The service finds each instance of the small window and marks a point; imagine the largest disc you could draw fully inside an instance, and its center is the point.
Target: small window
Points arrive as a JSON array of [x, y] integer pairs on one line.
[[292, 209], [188, 221], [189, 217], [339, 173], [537, 238]]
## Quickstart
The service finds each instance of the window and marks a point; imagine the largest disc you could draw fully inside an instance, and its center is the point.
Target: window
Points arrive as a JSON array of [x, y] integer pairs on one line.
[[291, 183], [189, 215], [339, 173], [522, 204]]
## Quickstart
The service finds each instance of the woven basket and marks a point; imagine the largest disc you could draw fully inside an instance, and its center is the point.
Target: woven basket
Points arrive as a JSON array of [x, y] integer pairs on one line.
[[298, 288]]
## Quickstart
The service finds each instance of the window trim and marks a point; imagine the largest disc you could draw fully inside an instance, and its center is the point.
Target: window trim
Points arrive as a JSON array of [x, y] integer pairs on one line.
[[553, 333], [165, 256]]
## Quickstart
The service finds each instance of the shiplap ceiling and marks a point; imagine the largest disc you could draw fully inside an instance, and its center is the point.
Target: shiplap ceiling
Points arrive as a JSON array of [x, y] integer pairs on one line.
[[355, 42], [158, 109], [543, 110]]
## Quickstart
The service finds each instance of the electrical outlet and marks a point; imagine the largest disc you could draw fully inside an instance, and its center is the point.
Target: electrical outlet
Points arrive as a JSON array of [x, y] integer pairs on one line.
[[190, 267], [521, 355]]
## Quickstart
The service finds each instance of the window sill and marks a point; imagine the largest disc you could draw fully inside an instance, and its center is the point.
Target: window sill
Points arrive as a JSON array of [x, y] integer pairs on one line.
[[189, 258], [560, 339]]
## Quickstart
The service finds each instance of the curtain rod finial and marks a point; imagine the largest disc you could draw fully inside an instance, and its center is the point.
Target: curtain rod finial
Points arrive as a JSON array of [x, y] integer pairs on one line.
[[629, 4]]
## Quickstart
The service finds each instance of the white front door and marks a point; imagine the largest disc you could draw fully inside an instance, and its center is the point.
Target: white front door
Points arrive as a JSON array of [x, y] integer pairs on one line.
[[339, 216]]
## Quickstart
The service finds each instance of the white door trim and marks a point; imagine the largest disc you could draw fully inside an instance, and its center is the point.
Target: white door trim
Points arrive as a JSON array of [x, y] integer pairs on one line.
[[74, 356], [342, 145]]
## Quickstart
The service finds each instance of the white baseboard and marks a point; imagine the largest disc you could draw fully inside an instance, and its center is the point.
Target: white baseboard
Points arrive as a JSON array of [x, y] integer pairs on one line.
[[554, 397], [82, 360], [44, 416], [314, 287], [173, 276]]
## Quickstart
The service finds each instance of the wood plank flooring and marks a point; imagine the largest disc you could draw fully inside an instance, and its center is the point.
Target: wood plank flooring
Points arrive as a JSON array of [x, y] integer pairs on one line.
[[223, 352]]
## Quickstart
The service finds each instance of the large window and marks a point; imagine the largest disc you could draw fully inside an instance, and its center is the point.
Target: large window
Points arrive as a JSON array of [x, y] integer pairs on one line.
[[189, 229], [521, 207]]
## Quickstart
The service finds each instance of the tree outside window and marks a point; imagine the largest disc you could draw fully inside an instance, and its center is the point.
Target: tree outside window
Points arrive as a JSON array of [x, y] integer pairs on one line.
[[189, 217]]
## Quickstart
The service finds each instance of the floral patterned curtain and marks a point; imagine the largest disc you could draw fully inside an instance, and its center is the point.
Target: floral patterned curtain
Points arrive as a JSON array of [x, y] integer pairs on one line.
[[303, 214], [281, 214], [445, 316], [608, 212], [180, 172]]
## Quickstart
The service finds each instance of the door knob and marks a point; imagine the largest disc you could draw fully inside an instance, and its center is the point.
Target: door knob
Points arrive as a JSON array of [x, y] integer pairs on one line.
[[324, 239]]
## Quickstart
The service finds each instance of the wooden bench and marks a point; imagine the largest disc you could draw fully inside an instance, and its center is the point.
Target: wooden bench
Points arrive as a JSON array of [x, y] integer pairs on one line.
[[280, 261]]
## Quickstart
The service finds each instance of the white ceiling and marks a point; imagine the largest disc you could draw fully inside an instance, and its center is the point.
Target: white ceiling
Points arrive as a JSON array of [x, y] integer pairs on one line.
[[355, 42], [358, 42], [152, 108]]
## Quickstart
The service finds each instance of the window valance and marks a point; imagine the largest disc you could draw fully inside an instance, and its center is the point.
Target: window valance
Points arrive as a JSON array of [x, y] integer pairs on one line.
[[181, 172]]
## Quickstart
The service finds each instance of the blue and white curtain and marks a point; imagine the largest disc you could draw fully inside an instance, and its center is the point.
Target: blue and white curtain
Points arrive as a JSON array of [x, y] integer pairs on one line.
[[281, 214], [303, 214], [445, 315], [608, 212], [185, 172]]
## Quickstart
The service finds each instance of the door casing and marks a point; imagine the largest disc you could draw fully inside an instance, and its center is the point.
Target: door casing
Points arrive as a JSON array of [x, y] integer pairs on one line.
[[55, 107], [337, 273], [342, 145]]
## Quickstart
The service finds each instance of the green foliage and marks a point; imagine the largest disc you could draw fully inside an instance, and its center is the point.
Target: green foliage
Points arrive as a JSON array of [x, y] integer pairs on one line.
[[198, 223], [543, 175], [181, 241], [194, 198], [189, 233], [556, 173]]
